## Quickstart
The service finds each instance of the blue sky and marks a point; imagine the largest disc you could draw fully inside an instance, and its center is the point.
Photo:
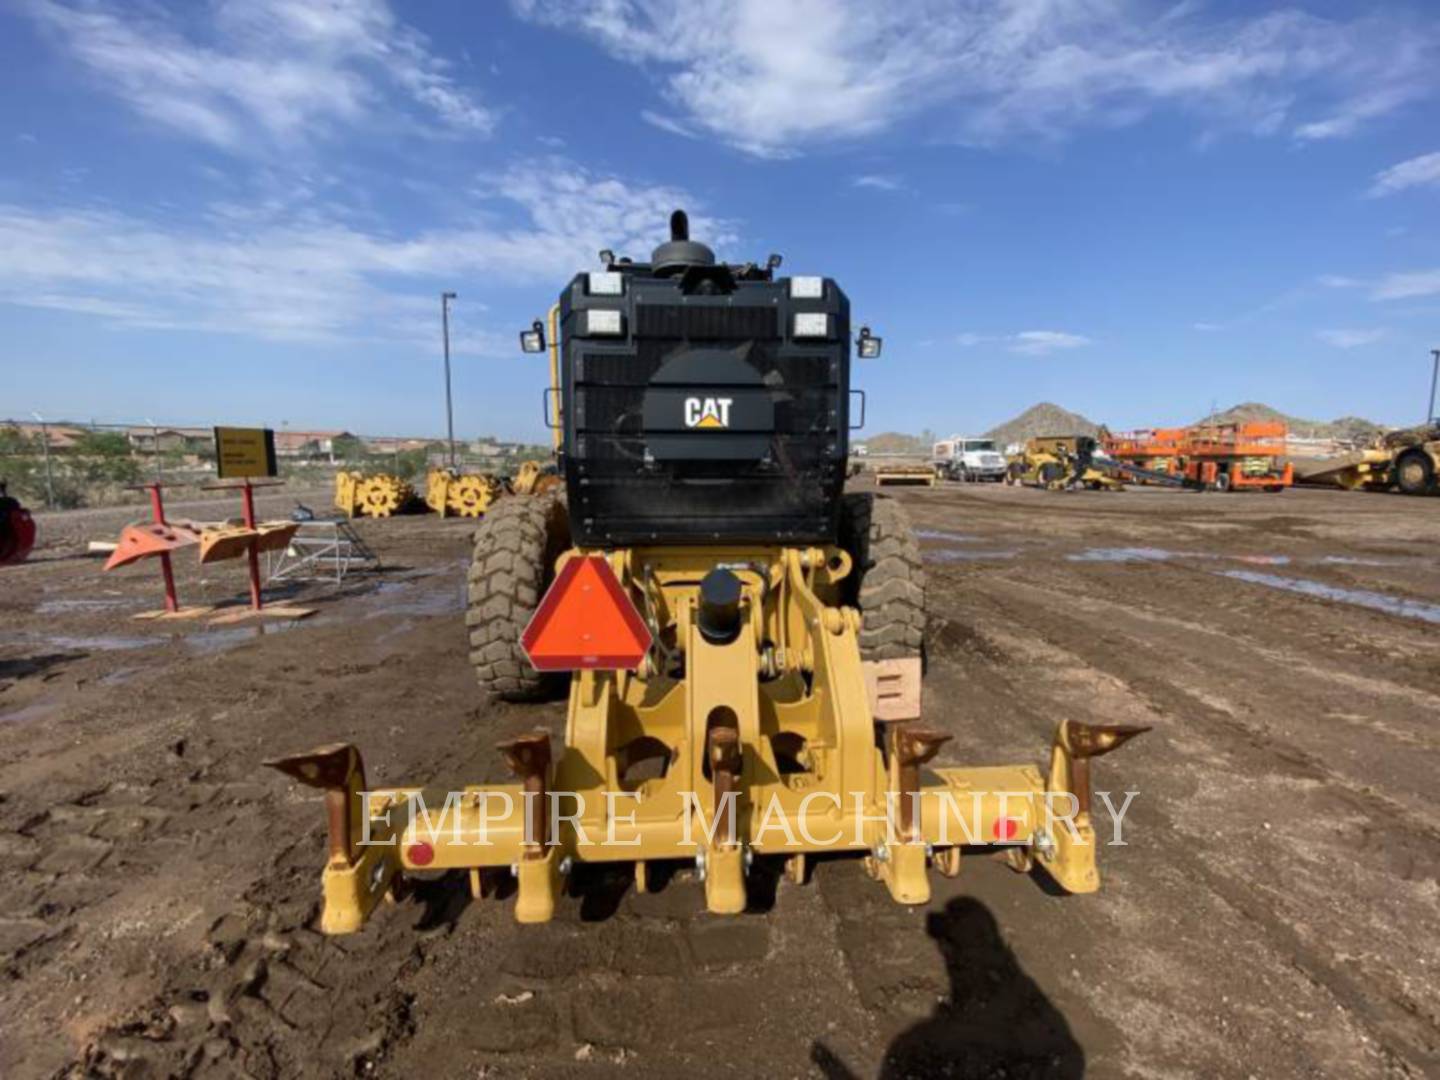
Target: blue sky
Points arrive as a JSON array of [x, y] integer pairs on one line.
[[244, 210]]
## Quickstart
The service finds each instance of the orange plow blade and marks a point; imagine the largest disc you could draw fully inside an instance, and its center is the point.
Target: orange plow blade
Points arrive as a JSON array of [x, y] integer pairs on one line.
[[142, 541]]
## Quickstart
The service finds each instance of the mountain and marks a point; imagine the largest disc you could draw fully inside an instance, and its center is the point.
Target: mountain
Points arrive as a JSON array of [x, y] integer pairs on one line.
[[1344, 427], [894, 442], [1043, 419]]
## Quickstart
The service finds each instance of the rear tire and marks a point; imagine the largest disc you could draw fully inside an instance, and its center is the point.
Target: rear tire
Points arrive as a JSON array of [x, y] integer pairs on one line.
[[1414, 475], [516, 546], [888, 580]]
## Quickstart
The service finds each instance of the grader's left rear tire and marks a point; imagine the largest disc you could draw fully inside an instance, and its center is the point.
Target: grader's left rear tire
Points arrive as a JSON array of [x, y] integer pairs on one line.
[[890, 579], [516, 546]]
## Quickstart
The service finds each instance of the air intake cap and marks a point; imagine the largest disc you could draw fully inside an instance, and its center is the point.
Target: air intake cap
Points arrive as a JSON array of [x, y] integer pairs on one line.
[[680, 253]]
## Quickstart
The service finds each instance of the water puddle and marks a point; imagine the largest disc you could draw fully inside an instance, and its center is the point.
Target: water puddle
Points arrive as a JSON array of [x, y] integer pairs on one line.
[[399, 598], [119, 676], [1390, 605], [964, 555], [209, 642], [1153, 554], [941, 534], [86, 605], [1356, 560], [101, 642], [29, 712], [404, 626], [1124, 555]]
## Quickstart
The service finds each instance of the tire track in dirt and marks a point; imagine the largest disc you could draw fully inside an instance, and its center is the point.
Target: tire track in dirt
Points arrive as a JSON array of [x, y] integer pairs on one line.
[[1404, 1027]]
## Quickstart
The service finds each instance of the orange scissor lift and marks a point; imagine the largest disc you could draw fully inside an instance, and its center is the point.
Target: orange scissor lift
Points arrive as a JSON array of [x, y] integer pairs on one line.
[[1249, 455]]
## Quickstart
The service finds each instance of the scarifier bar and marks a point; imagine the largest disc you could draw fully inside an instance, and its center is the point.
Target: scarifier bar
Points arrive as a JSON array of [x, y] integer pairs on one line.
[[775, 722]]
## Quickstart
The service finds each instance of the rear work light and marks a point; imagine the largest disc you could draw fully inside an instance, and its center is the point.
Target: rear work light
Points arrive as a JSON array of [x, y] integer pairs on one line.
[[807, 288], [812, 324], [606, 284], [602, 322]]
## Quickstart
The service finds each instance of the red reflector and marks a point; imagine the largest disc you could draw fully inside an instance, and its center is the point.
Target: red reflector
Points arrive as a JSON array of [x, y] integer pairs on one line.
[[420, 854], [586, 621], [1006, 828]]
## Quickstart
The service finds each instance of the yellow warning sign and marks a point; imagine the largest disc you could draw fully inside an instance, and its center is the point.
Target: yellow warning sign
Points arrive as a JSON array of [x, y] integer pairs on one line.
[[244, 452]]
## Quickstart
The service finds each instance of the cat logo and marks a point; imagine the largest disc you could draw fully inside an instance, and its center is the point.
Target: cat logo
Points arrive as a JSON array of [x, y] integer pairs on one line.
[[708, 412]]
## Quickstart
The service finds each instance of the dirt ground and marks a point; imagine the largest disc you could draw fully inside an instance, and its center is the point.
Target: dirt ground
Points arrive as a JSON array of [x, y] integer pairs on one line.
[[1273, 914]]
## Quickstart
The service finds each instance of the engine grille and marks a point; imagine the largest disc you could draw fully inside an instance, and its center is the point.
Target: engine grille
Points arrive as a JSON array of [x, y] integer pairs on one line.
[[620, 495]]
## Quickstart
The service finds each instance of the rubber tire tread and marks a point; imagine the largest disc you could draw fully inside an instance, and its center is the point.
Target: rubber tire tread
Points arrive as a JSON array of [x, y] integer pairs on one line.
[[889, 577], [516, 545]]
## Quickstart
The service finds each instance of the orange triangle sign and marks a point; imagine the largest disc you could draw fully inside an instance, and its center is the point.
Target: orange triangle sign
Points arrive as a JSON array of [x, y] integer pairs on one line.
[[586, 621]]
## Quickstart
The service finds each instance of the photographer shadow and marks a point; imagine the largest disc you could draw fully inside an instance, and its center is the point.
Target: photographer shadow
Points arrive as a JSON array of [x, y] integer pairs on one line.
[[995, 1021]]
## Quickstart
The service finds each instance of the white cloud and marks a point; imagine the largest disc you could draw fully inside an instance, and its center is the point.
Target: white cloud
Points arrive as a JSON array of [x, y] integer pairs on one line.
[[879, 182], [1349, 339], [288, 273], [667, 123], [1041, 342], [1338, 281], [1206, 327], [254, 73], [1403, 286], [1026, 342], [771, 77], [1416, 172]]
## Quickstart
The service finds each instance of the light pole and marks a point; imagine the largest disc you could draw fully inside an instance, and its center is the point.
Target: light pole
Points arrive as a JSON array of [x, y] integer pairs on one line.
[[1434, 378], [445, 298], [155, 445], [45, 449]]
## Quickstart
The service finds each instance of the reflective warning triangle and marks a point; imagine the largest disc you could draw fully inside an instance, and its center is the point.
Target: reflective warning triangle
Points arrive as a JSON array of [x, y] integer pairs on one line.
[[586, 621]]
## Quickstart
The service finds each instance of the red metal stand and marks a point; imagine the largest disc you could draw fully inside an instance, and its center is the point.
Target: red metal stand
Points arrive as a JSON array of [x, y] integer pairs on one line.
[[157, 512], [247, 497]]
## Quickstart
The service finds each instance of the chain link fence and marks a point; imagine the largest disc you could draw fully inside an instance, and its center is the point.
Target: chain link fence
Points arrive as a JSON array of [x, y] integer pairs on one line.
[[61, 465]]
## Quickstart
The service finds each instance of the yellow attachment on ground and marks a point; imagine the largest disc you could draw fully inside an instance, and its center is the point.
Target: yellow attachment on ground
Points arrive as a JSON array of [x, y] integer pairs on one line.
[[904, 474], [437, 489], [722, 749], [381, 495], [347, 484], [471, 495], [465, 494]]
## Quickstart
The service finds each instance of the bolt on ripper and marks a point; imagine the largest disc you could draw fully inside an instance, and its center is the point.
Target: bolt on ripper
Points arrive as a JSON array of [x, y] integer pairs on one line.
[[741, 637]]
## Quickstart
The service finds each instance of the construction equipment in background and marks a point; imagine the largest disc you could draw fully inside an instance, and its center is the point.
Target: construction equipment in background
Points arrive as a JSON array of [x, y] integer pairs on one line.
[[17, 529], [448, 492], [383, 495], [896, 473], [1407, 460], [967, 459], [534, 479], [347, 486], [743, 640], [1250, 455], [1061, 463]]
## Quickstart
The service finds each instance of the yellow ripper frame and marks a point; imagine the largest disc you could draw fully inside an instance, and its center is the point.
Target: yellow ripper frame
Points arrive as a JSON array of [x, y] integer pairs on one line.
[[780, 742]]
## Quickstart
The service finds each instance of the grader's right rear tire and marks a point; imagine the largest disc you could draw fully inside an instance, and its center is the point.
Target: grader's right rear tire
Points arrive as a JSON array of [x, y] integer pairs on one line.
[[889, 577], [516, 546]]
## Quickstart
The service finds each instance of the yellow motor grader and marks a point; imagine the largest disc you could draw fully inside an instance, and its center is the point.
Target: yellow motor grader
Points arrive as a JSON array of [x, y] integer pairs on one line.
[[742, 640]]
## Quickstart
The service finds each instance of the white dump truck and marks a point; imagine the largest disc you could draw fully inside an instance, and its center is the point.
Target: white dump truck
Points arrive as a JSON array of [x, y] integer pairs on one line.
[[963, 458]]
